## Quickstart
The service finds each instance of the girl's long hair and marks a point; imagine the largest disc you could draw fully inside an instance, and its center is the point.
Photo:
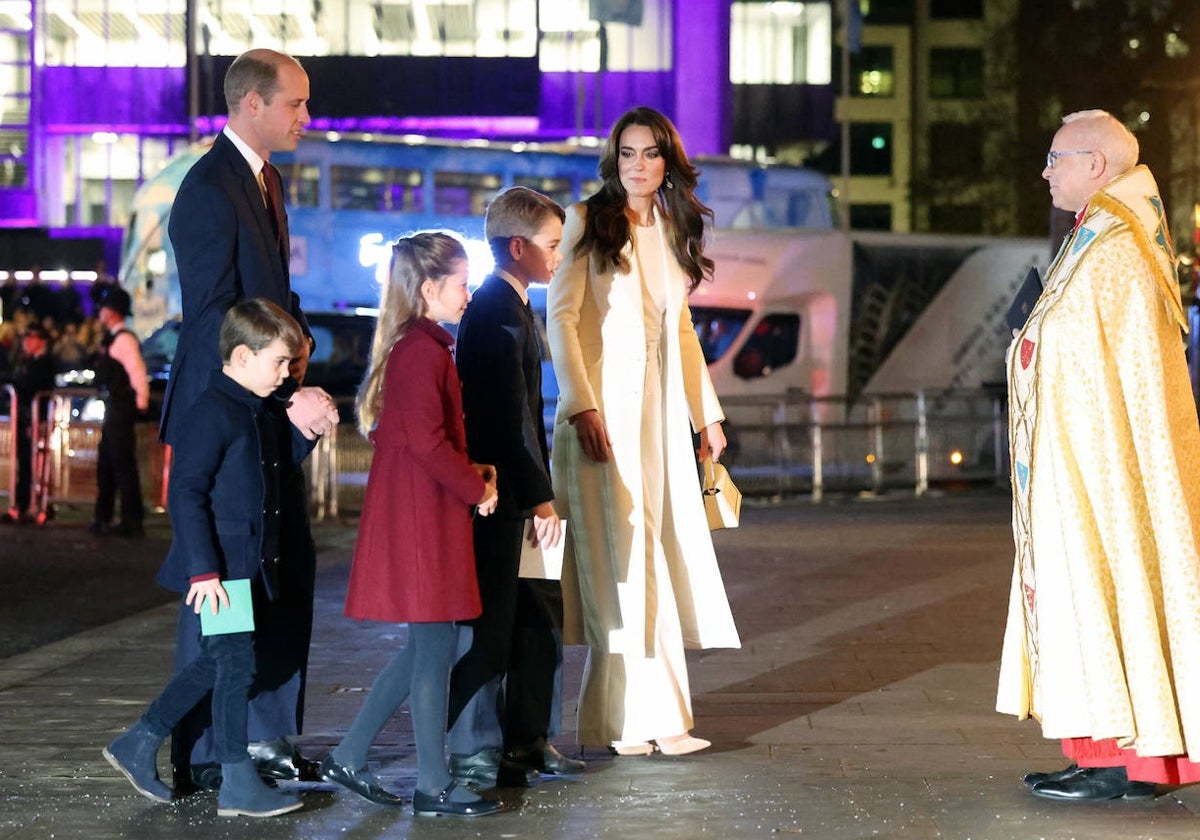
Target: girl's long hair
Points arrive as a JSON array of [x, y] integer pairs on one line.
[[427, 255], [606, 230]]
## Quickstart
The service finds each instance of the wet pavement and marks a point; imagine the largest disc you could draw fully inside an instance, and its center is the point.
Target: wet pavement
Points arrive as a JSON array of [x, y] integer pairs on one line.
[[860, 705]]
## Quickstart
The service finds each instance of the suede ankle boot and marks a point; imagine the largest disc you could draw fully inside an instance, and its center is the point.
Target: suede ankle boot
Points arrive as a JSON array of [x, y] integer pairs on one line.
[[244, 794], [135, 754]]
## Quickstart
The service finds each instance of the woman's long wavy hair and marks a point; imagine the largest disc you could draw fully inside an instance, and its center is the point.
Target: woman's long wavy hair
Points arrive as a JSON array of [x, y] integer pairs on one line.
[[427, 255], [606, 230]]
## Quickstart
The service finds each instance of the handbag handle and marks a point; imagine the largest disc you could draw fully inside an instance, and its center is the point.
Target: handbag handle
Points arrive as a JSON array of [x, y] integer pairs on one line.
[[710, 475]]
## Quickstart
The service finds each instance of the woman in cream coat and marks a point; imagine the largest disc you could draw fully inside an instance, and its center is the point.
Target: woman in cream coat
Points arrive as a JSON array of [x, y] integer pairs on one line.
[[640, 579]]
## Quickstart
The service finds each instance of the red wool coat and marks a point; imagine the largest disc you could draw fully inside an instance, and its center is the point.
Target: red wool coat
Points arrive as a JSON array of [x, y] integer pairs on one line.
[[413, 560]]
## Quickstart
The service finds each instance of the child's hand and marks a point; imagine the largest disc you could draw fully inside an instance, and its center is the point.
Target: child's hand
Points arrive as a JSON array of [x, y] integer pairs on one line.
[[546, 528], [210, 589], [490, 497]]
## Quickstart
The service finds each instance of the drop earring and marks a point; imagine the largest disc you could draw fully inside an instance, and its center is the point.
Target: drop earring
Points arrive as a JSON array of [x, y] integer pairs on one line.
[[667, 182]]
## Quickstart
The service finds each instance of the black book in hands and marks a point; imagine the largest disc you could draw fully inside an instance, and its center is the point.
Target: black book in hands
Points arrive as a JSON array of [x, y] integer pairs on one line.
[[1027, 296]]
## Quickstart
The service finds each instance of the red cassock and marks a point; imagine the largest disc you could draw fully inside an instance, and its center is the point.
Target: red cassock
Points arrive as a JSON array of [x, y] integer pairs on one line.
[[413, 560]]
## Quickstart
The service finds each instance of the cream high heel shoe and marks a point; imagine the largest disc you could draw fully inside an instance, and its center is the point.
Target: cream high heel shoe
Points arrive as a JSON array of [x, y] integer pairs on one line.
[[682, 744]]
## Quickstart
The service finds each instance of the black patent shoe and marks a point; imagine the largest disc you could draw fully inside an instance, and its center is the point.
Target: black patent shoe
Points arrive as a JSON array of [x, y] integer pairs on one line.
[[441, 805], [1093, 784], [489, 768], [1031, 779], [361, 781], [280, 760], [544, 758]]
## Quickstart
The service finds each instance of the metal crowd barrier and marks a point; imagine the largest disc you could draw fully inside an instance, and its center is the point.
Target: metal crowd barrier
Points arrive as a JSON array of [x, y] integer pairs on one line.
[[8, 446], [790, 445], [65, 444]]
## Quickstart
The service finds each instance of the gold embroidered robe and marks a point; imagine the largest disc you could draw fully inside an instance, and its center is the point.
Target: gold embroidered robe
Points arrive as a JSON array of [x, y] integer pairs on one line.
[[1103, 635]]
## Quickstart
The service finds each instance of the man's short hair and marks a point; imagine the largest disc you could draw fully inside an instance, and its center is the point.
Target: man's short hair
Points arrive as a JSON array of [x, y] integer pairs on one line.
[[518, 211], [256, 70], [1104, 133], [256, 323], [117, 299]]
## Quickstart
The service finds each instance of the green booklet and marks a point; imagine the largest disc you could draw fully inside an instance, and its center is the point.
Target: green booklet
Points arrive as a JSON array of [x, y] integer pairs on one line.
[[238, 617]]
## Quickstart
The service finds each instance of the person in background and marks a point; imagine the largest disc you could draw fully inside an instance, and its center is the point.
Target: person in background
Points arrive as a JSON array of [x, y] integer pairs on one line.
[[124, 387], [503, 694], [229, 230], [32, 373], [223, 502], [413, 561], [639, 572], [1103, 629]]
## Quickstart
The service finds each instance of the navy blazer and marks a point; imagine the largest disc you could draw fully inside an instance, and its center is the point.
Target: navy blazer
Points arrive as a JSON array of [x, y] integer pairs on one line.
[[224, 496], [226, 252], [499, 360]]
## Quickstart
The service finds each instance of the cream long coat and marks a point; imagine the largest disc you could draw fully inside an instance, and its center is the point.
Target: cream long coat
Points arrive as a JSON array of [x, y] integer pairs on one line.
[[598, 342]]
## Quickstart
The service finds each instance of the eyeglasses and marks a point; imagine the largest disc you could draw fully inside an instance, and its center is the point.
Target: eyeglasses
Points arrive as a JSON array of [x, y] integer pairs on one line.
[[1052, 157]]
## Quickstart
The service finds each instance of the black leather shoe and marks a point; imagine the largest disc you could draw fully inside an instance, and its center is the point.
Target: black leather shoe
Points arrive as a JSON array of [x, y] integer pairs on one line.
[[488, 768], [544, 758], [1092, 784], [361, 781], [1032, 779], [279, 759], [206, 776], [427, 805]]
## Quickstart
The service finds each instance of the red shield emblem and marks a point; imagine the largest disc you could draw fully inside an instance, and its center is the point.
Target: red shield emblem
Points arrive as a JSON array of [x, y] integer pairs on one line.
[[1026, 352]]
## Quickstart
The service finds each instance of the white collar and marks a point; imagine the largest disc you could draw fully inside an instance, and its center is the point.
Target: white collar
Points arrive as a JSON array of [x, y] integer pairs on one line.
[[517, 285], [251, 156]]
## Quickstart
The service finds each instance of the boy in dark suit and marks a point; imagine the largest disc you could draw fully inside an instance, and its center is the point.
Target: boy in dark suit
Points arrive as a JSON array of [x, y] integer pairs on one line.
[[225, 510], [503, 689]]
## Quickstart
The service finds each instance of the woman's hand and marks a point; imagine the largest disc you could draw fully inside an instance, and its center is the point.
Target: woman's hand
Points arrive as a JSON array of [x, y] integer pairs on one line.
[[592, 434], [712, 442]]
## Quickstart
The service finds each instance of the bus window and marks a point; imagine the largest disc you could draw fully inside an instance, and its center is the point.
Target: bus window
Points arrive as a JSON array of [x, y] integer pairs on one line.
[[302, 182], [377, 188], [771, 346], [717, 327], [463, 193], [558, 189]]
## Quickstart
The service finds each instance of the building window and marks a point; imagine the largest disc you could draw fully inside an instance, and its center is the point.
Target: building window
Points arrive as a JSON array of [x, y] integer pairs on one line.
[[112, 33], [463, 193], [595, 35], [870, 217], [955, 9], [955, 74], [780, 43], [302, 184], [886, 11], [955, 149], [871, 149], [956, 218], [376, 188], [872, 72]]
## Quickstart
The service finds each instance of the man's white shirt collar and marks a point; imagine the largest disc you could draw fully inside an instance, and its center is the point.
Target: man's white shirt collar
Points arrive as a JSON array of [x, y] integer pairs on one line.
[[251, 156]]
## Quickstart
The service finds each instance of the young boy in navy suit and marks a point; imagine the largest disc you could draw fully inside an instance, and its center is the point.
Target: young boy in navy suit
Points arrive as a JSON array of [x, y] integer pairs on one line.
[[503, 691], [224, 506]]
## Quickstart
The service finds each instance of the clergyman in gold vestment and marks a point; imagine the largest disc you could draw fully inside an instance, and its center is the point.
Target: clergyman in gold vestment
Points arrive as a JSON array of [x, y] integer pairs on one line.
[[1103, 630]]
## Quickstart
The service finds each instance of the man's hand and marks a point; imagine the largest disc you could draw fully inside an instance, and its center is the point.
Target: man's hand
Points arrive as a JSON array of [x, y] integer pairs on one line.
[[210, 589], [593, 435], [490, 498], [546, 528], [313, 412], [712, 442]]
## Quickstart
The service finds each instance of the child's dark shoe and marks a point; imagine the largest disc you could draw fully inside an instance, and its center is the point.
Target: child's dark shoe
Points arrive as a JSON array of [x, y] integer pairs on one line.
[[244, 794], [135, 754]]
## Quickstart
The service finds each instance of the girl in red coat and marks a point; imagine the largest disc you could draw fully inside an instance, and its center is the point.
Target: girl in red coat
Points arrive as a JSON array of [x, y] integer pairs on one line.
[[413, 561]]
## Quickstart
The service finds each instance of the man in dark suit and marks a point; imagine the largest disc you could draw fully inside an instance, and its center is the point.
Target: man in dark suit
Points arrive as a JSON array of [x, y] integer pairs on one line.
[[230, 235], [504, 689]]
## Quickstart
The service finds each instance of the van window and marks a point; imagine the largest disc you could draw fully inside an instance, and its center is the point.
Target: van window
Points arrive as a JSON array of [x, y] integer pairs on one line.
[[717, 327], [771, 346]]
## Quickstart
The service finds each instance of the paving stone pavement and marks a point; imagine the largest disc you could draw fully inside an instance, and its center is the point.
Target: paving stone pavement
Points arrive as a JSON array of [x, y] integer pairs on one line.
[[860, 705]]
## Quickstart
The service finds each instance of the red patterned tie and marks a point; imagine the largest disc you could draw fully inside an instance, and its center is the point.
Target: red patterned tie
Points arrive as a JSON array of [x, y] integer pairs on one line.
[[275, 201]]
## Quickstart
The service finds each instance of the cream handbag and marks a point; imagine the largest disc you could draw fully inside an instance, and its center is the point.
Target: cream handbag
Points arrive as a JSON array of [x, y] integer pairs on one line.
[[722, 499]]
